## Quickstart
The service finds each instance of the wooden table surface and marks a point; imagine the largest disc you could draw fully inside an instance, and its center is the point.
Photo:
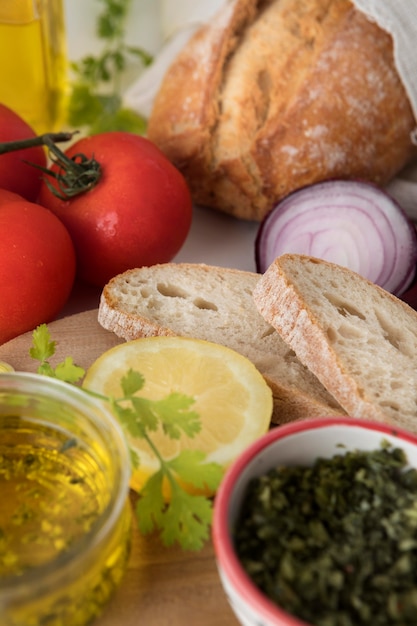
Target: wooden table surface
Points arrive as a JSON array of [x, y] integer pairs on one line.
[[162, 586]]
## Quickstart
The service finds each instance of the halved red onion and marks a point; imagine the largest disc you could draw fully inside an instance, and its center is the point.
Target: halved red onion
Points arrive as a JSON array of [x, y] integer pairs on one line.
[[353, 223]]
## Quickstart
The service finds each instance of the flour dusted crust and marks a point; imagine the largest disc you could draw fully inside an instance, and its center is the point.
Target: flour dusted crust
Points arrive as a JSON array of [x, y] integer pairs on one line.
[[276, 94], [214, 304], [358, 339]]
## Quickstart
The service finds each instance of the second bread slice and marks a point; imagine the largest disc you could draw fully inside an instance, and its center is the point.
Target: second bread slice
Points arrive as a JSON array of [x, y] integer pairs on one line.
[[359, 340], [215, 304]]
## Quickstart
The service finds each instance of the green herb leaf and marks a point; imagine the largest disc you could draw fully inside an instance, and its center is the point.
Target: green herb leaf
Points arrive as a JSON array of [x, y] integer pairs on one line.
[[132, 382], [192, 463], [43, 348], [95, 100], [151, 504], [175, 417], [186, 519], [122, 119], [68, 371], [42, 345]]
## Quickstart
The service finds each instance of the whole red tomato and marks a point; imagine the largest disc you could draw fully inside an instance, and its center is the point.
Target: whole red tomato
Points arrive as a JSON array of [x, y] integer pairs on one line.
[[15, 174], [37, 267], [139, 213], [8, 196]]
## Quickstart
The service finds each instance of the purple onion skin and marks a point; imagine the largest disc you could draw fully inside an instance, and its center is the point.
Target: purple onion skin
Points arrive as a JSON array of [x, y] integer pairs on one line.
[[407, 289]]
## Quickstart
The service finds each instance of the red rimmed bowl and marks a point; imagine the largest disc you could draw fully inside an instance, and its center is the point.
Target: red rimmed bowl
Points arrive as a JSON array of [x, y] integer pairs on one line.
[[298, 443]]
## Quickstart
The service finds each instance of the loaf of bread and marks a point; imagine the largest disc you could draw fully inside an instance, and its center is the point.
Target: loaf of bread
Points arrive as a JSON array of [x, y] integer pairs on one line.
[[274, 95], [359, 340], [214, 304]]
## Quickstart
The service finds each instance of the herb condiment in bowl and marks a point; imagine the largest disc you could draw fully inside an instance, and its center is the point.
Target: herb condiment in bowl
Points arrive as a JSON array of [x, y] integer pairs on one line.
[[316, 523], [65, 518]]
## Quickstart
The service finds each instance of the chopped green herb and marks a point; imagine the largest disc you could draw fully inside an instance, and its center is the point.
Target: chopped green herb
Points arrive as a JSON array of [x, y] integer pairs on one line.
[[335, 544]]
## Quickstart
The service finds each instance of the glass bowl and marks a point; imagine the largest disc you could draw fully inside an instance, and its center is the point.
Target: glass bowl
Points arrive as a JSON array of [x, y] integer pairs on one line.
[[65, 517]]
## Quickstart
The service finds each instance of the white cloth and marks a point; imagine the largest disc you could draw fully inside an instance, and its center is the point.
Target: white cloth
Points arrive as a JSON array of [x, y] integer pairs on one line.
[[399, 18]]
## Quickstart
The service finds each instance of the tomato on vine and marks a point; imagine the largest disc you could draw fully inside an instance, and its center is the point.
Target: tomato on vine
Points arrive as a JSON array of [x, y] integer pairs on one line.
[[123, 202]]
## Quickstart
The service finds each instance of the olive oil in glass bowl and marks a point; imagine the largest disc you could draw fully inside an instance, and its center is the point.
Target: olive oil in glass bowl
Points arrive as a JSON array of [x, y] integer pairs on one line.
[[65, 517]]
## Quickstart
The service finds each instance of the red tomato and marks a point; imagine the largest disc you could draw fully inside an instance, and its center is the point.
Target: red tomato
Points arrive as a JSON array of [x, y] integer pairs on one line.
[[139, 213], [8, 196], [37, 267], [15, 174]]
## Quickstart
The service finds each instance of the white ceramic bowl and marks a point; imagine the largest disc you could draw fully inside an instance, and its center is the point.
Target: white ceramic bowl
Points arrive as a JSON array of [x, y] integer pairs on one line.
[[299, 443]]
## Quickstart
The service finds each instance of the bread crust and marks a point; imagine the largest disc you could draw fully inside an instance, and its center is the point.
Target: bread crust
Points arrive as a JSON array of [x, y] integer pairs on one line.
[[364, 353], [273, 95], [160, 300]]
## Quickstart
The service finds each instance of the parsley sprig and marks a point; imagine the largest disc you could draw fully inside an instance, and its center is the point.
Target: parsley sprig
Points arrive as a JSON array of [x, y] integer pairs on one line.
[[96, 100], [186, 518]]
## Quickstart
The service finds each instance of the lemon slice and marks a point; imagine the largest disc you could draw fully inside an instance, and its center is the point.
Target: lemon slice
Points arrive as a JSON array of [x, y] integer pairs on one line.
[[232, 399]]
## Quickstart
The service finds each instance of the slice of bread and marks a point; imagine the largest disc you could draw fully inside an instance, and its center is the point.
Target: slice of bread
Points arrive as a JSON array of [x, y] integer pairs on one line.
[[359, 340], [214, 304]]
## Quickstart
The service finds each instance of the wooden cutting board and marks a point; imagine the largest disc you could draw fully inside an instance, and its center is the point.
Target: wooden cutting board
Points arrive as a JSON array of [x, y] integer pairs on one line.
[[162, 586]]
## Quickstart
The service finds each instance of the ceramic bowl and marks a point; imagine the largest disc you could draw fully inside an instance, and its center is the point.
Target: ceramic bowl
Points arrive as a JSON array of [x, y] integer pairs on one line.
[[299, 443]]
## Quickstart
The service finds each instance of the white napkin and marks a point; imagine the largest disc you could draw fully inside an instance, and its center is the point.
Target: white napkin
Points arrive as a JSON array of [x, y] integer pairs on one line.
[[399, 18]]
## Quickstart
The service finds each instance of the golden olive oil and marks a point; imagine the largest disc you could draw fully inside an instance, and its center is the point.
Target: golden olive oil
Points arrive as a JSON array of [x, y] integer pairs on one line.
[[53, 494], [33, 68]]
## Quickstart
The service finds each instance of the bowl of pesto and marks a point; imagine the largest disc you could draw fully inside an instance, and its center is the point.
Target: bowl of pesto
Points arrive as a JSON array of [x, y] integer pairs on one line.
[[316, 523]]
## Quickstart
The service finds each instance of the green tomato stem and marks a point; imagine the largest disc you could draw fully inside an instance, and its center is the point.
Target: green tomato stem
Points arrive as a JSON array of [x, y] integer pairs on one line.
[[74, 176], [41, 140]]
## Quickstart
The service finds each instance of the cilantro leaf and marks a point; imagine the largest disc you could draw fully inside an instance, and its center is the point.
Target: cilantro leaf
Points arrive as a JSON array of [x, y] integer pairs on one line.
[[148, 418], [185, 519], [134, 458], [68, 371], [42, 346], [151, 505], [46, 369], [135, 418], [132, 382], [175, 416], [191, 463]]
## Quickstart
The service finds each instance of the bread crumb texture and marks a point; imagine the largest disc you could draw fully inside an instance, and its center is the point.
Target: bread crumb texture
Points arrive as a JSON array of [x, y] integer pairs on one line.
[[358, 339]]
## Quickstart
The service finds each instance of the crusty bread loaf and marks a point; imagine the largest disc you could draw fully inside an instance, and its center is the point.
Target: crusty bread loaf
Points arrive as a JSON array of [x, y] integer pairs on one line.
[[274, 95], [214, 304], [359, 340]]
